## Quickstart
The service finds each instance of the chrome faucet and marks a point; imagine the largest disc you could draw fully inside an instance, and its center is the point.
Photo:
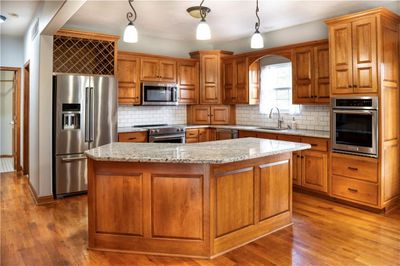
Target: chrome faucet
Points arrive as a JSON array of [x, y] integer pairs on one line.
[[280, 121]]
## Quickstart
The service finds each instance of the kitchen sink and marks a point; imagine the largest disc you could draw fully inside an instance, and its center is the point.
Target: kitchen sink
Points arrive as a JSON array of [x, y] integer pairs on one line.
[[273, 128]]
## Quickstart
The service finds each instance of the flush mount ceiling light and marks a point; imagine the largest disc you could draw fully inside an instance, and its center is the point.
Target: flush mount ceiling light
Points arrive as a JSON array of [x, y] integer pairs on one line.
[[2, 18], [257, 41], [130, 32], [203, 31]]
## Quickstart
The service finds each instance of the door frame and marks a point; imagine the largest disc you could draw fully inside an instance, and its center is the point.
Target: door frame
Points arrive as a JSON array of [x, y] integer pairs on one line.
[[17, 117], [25, 133]]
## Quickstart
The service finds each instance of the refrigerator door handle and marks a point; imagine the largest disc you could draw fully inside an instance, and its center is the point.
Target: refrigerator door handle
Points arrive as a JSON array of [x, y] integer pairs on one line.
[[72, 159], [91, 126], [87, 114]]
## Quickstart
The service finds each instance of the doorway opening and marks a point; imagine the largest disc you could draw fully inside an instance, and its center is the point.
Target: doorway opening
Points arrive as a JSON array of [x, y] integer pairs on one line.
[[25, 134], [10, 119]]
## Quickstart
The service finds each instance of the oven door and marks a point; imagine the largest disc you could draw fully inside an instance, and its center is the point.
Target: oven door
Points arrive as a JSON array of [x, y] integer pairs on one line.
[[159, 94], [355, 131], [178, 138]]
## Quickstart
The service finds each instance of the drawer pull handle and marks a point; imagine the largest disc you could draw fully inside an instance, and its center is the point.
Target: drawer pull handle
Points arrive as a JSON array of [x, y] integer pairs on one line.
[[132, 138], [352, 190], [352, 168]]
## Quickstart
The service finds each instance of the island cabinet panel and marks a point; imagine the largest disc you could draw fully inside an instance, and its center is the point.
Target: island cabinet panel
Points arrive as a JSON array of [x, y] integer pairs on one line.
[[274, 189], [177, 207], [121, 196], [235, 200]]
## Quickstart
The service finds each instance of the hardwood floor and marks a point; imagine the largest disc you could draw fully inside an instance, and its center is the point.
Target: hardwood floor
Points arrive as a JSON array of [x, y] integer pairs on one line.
[[324, 233]]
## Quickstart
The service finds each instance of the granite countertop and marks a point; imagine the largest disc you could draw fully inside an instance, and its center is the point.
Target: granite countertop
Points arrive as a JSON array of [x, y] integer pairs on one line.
[[297, 132], [212, 152]]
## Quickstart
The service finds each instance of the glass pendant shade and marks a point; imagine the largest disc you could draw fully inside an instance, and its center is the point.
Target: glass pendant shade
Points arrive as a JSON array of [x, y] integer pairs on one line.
[[130, 34], [203, 31], [257, 41]]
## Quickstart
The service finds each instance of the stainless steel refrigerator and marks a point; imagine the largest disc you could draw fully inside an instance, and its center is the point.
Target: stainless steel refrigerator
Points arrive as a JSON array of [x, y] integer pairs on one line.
[[84, 117]]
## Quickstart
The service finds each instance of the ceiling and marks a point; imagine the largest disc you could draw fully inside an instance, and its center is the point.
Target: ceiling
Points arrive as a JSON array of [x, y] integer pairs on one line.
[[17, 25], [229, 20]]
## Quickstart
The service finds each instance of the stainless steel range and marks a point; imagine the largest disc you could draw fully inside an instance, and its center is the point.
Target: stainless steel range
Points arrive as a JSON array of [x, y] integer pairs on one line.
[[164, 133]]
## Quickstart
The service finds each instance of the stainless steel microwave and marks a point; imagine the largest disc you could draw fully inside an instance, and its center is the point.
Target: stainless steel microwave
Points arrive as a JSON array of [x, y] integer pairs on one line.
[[154, 93], [355, 125]]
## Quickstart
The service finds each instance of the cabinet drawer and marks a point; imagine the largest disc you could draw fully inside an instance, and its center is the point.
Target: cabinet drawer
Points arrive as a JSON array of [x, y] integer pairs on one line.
[[133, 137], [264, 135], [191, 140], [316, 144], [356, 167], [247, 134], [361, 191], [192, 133], [289, 138]]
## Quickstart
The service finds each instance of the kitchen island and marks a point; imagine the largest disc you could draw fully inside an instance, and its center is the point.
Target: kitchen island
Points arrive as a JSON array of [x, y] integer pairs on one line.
[[197, 200]]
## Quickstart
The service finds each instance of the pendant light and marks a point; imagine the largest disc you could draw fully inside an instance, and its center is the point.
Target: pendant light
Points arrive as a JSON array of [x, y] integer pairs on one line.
[[130, 32], [257, 41], [2, 18], [203, 31]]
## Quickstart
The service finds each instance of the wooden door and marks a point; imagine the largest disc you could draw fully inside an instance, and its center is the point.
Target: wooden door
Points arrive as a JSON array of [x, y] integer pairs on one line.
[[168, 70], [297, 168], [341, 62], [149, 69], [254, 82], [201, 115], [220, 115], [209, 80], [321, 74], [365, 73], [188, 82], [303, 85], [241, 75], [314, 170], [128, 81], [228, 81]]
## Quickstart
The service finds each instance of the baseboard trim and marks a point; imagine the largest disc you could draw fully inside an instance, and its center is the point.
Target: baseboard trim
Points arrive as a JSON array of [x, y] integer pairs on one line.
[[43, 200]]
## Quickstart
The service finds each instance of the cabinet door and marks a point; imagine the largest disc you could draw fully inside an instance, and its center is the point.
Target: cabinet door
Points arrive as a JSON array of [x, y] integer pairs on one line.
[[228, 82], [168, 70], [209, 81], [203, 134], [149, 69], [241, 74], [297, 168], [341, 58], [128, 81], [220, 115], [254, 83], [365, 55], [303, 85], [321, 78], [201, 115], [188, 82], [315, 170]]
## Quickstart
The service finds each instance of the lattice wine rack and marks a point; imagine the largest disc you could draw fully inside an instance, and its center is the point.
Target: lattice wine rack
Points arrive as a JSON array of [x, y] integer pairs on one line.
[[76, 55]]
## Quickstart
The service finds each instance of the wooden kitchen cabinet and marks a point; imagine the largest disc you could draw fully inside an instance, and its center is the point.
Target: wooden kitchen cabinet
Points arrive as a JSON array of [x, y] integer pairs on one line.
[[133, 137], [353, 43], [254, 82], [128, 79], [188, 81], [311, 74], [155, 69], [210, 75], [194, 135], [211, 114], [297, 168], [314, 170]]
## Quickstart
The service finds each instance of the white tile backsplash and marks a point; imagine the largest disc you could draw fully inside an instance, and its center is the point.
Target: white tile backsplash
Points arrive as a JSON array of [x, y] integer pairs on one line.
[[145, 115], [310, 117]]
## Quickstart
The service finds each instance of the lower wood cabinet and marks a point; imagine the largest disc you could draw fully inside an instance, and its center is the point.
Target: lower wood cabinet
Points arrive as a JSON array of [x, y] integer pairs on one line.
[[214, 114], [314, 168], [133, 137], [194, 135]]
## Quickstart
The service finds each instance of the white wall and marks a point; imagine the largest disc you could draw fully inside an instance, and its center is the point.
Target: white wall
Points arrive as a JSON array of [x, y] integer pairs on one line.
[[11, 51], [6, 105]]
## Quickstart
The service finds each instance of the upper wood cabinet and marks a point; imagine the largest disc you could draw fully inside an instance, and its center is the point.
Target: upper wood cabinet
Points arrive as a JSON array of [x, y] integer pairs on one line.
[[311, 74], [210, 75], [254, 82], [128, 79], [211, 114], [353, 57], [188, 81], [155, 69]]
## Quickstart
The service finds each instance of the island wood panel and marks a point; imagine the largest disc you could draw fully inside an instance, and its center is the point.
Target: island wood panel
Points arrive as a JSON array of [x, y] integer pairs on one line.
[[234, 200], [177, 207], [274, 189], [122, 196]]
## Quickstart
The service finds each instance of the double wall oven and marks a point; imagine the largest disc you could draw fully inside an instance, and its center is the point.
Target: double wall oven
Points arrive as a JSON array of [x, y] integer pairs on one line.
[[355, 125]]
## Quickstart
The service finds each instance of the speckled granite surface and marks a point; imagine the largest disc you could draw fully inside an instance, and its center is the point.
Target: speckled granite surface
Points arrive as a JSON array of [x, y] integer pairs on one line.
[[213, 152], [297, 132]]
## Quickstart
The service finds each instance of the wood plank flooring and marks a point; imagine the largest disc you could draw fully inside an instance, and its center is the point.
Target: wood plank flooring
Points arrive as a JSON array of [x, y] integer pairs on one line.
[[6, 165], [324, 233]]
